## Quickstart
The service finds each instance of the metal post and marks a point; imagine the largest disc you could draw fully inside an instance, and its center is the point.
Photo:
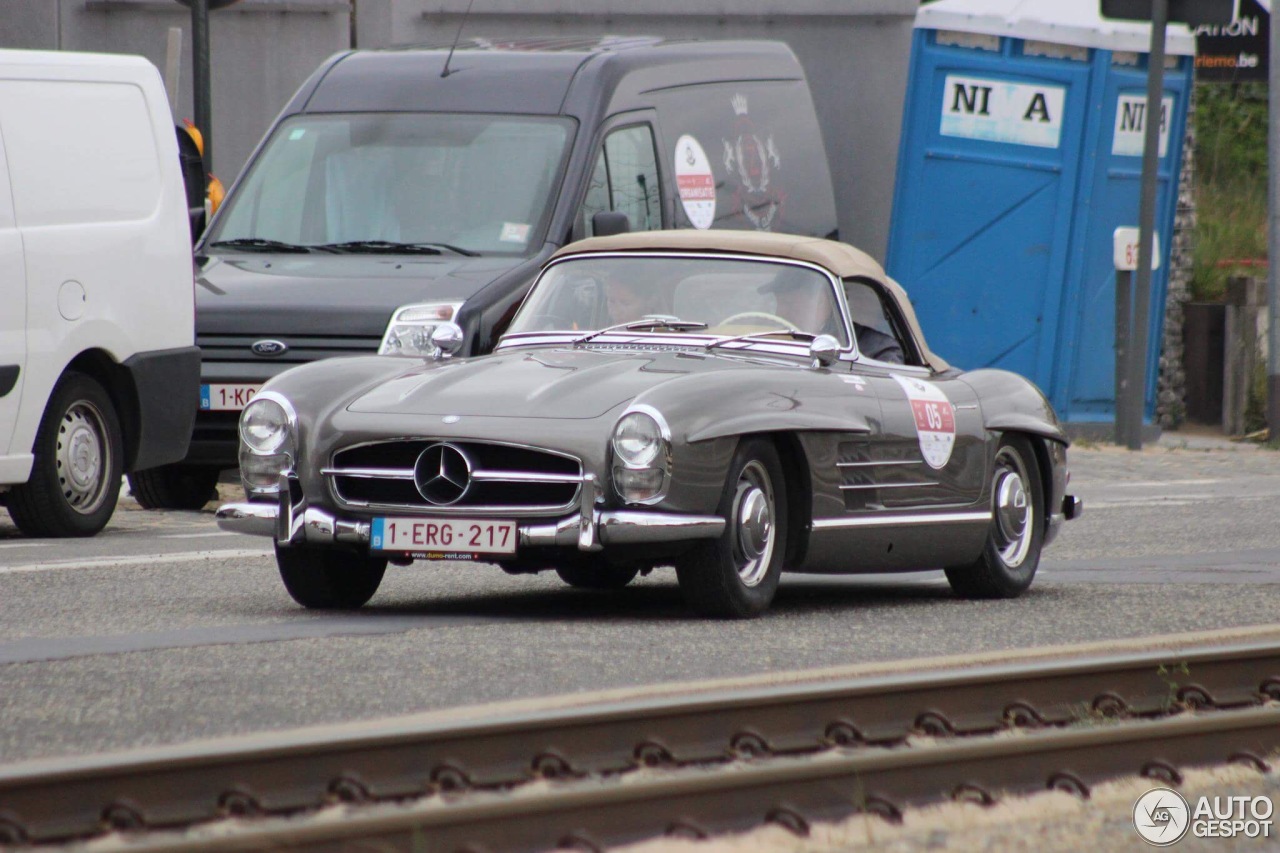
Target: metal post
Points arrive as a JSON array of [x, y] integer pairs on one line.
[[1273, 236], [200, 76], [1124, 352], [1146, 225]]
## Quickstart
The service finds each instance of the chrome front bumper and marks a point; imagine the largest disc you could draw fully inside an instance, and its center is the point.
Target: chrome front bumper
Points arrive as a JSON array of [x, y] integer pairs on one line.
[[590, 529]]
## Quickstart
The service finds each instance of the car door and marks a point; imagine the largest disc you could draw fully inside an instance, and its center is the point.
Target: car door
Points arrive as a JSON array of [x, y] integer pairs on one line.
[[13, 311], [932, 441], [930, 452]]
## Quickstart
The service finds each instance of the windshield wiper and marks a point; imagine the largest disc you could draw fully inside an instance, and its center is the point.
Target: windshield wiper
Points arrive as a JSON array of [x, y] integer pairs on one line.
[[793, 332], [395, 247], [262, 244], [457, 250], [655, 321]]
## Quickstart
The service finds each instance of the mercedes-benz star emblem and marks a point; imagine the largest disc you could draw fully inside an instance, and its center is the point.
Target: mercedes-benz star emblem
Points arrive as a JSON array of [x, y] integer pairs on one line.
[[442, 474]]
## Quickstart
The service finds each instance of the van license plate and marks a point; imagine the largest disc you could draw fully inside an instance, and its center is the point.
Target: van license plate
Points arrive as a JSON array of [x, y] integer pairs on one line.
[[444, 538], [226, 398]]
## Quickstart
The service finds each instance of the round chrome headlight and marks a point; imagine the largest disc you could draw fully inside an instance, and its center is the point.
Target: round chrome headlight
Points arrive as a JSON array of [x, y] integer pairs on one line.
[[264, 425], [637, 439]]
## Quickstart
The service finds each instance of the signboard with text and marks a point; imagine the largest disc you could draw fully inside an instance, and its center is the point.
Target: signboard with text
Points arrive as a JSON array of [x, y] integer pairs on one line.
[[1238, 51]]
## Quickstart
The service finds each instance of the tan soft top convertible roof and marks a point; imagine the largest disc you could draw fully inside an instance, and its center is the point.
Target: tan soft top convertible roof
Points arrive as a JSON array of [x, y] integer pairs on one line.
[[840, 258]]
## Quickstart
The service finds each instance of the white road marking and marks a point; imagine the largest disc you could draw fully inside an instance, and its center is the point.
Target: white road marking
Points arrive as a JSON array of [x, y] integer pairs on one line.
[[139, 560], [25, 545], [198, 535], [1149, 484]]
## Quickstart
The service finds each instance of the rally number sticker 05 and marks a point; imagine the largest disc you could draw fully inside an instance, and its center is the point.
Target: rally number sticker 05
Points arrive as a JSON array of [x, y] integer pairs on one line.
[[935, 419]]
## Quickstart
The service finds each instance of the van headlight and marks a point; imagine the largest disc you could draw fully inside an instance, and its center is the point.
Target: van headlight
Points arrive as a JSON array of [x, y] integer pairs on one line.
[[642, 456], [268, 437], [411, 327]]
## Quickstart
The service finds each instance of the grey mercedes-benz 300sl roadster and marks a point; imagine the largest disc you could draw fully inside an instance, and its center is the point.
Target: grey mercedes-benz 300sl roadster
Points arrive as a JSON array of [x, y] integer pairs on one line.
[[732, 404]]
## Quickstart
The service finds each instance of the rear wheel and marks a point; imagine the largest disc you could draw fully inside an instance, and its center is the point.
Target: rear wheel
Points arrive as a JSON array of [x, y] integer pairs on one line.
[[596, 573], [1012, 550], [175, 486], [737, 575], [75, 476], [329, 579]]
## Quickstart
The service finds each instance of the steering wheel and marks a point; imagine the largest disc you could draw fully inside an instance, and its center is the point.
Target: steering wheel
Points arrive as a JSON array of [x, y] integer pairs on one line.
[[759, 315]]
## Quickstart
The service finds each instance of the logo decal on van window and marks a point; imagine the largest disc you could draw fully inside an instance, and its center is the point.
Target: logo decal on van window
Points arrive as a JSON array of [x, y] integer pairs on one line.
[[752, 160], [696, 184]]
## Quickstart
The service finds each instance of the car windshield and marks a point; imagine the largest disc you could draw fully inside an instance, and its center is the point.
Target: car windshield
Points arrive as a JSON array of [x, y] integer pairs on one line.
[[731, 296], [407, 183]]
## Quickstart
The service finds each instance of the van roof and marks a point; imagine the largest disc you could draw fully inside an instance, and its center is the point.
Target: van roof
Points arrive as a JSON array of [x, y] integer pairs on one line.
[[69, 64], [535, 76]]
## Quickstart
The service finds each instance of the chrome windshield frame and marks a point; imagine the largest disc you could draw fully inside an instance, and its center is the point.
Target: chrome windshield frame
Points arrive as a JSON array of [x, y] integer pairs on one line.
[[559, 337]]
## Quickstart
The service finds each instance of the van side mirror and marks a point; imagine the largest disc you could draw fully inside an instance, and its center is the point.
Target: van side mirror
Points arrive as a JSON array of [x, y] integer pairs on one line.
[[606, 223]]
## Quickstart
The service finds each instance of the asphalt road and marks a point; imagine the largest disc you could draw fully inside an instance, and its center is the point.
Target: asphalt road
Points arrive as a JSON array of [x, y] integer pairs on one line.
[[164, 629]]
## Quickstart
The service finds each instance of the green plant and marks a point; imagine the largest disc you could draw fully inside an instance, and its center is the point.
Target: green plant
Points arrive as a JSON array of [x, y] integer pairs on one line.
[[1168, 674], [1230, 193]]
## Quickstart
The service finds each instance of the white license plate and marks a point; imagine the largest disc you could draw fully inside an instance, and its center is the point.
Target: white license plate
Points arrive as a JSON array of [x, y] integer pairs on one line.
[[226, 398], [444, 538]]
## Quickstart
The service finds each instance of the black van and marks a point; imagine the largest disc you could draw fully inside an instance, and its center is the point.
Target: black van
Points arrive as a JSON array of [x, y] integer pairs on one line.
[[404, 187]]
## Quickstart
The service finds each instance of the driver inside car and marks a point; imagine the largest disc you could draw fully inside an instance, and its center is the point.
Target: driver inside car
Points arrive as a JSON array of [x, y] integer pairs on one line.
[[806, 301], [626, 300]]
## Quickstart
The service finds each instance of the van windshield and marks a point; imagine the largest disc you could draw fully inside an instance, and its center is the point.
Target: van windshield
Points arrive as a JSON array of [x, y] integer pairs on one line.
[[452, 183]]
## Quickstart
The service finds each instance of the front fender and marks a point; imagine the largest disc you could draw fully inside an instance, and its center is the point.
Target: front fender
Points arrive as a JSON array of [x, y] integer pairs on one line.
[[703, 407]]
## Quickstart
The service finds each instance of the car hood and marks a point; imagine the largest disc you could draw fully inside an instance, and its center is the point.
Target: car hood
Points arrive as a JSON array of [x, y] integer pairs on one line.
[[550, 383], [276, 294]]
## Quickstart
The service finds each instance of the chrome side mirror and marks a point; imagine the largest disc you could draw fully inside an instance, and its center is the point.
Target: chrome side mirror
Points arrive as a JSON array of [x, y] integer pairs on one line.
[[824, 350], [447, 339]]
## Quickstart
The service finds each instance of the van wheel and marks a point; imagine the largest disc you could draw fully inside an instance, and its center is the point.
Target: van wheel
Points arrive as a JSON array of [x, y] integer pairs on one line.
[[329, 578], [175, 486], [737, 574], [75, 478]]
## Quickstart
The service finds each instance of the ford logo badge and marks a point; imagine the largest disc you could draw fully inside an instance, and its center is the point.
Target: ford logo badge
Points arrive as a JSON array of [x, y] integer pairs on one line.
[[269, 348]]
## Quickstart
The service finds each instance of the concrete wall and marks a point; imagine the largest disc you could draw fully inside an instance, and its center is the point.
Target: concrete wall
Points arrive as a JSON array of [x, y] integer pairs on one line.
[[855, 53], [261, 52]]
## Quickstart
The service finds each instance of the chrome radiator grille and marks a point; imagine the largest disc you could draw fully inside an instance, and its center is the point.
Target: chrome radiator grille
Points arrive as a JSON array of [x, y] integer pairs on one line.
[[455, 476]]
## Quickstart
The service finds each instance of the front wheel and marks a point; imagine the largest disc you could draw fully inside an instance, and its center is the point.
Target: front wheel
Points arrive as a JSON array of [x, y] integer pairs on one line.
[[737, 575], [175, 486], [596, 573], [1012, 550], [75, 476], [329, 578]]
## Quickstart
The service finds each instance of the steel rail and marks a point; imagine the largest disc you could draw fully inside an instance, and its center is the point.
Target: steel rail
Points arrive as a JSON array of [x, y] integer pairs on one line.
[[286, 772], [789, 792]]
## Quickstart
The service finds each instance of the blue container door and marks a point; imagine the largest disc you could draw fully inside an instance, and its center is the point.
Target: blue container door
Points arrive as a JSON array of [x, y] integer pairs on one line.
[[984, 200], [1109, 200]]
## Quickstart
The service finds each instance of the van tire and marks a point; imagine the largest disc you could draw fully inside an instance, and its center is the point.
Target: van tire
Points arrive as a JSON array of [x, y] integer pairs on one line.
[[175, 486], [75, 478]]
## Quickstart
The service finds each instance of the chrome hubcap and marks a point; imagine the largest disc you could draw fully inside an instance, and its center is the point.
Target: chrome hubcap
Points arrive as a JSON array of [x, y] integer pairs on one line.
[[1013, 508], [753, 524], [83, 457]]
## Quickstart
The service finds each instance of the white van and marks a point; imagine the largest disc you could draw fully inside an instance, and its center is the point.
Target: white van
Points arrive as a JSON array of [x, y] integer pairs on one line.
[[98, 368]]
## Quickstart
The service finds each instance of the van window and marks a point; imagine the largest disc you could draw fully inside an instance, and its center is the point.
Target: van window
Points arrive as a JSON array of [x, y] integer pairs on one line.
[[625, 179], [480, 182], [85, 149]]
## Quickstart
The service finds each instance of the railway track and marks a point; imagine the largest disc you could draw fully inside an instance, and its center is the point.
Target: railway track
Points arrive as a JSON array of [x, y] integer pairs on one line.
[[697, 766]]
